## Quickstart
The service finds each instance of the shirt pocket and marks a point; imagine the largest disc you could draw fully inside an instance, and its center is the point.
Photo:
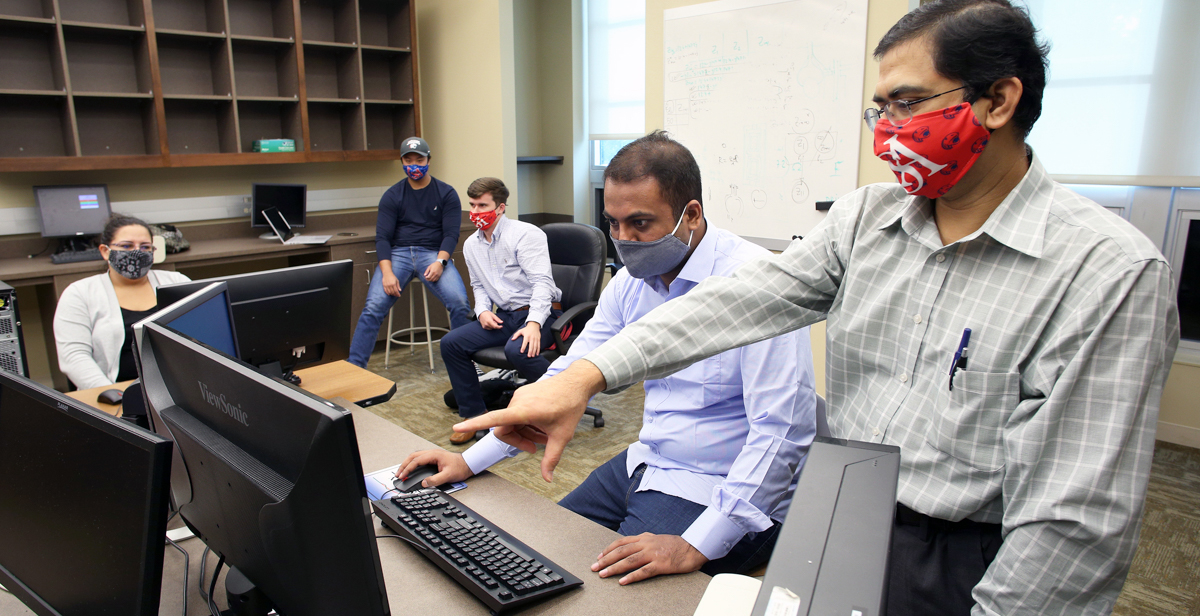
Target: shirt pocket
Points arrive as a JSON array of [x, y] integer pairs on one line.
[[969, 426]]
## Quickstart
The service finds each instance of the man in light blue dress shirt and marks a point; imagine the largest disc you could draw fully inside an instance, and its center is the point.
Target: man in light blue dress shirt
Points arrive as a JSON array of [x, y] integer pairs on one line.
[[711, 477]]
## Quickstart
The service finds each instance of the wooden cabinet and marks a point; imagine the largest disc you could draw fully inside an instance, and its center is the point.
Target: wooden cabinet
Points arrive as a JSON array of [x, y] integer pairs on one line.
[[94, 84]]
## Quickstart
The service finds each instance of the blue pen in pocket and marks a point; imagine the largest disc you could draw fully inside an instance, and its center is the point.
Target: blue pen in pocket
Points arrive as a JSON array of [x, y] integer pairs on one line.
[[960, 356]]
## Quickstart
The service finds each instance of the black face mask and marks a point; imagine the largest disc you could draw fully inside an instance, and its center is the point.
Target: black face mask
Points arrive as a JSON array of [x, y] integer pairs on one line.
[[132, 264]]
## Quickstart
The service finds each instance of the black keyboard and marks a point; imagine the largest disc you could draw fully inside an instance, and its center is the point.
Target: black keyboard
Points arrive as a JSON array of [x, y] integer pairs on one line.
[[76, 256], [497, 568]]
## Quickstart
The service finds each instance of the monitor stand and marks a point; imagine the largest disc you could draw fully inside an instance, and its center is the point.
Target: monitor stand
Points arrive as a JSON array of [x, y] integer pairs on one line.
[[275, 369], [269, 235], [243, 597]]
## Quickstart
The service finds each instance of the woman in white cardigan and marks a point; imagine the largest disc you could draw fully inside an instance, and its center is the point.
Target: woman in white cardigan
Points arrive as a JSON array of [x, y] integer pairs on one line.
[[94, 318]]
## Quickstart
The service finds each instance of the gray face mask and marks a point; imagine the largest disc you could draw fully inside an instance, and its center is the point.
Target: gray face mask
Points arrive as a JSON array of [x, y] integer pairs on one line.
[[132, 264], [647, 259]]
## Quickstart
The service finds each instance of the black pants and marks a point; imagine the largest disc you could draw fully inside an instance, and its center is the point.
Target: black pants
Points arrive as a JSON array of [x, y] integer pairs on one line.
[[935, 564]]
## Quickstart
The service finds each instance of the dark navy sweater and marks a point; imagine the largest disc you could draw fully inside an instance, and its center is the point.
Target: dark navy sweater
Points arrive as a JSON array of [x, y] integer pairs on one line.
[[429, 218]]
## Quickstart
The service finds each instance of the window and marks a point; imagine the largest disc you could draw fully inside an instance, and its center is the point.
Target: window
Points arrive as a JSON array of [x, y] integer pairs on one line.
[[616, 66], [604, 150], [1123, 76]]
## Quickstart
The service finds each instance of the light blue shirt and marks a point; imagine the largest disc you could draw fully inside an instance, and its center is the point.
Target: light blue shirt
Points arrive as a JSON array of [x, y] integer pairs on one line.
[[729, 432], [512, 270]]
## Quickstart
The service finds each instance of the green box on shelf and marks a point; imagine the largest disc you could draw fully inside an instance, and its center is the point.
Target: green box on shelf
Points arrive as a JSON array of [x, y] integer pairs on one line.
[[275, 145]]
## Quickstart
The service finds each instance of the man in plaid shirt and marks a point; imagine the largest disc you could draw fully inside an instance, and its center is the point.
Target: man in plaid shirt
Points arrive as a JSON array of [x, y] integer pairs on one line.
[[1024, 455]]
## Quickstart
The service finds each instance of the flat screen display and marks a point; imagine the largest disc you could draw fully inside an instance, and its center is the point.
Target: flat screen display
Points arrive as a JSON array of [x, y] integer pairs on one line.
[[290, 199], [70, 211]]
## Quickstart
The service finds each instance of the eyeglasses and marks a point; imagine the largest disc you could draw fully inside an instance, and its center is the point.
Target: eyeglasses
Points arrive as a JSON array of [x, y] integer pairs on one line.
[[898, 112], [132, 246]]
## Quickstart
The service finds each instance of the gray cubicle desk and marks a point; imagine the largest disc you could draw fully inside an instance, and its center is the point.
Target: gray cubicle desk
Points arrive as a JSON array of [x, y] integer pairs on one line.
[[415, 586]]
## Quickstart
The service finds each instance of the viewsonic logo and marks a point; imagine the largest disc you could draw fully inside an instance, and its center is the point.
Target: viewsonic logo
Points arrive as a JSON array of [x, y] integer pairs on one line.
[[218, 400]]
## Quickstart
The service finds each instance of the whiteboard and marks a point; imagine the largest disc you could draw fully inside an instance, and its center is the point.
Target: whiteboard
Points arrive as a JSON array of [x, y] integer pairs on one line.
[[767, 95]]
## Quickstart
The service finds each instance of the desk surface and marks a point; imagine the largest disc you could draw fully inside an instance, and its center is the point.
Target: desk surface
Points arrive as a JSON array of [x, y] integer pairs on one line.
[[338, 379], [416, 586]]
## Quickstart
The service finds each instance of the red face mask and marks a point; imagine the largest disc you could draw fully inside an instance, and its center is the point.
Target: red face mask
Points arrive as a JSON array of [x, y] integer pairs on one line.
[[933, 151], [483, 220]]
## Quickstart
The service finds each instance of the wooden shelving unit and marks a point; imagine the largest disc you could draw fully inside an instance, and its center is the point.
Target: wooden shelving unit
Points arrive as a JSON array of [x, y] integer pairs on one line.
[[103, 84]]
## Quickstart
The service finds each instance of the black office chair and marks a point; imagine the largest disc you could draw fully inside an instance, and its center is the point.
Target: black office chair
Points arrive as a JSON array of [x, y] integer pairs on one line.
[[577, 255]]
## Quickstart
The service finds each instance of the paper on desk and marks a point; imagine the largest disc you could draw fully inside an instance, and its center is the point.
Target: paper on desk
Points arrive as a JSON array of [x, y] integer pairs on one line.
[[380, 483]]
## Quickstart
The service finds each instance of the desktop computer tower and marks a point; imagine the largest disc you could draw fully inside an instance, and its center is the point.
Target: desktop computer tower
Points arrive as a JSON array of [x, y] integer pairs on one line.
[[12, 344]]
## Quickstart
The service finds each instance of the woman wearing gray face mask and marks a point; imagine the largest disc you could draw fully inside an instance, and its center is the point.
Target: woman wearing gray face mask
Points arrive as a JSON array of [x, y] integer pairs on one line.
[[94, 317]]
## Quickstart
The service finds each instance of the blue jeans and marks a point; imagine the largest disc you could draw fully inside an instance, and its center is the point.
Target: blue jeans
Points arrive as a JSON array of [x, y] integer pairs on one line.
[[407, 262], [460, 344], [609, 497]]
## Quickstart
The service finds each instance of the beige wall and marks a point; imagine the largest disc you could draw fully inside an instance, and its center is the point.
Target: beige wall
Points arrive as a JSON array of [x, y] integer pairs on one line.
[[465, 51], [548, 53]]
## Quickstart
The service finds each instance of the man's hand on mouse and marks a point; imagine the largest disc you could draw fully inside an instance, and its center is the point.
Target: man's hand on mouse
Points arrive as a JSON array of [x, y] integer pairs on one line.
[[451, 467], [647, 555]]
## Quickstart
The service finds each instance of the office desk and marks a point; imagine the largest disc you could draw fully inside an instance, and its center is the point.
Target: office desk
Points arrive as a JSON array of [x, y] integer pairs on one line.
[[337, 379], [415, 586], [217, 249]]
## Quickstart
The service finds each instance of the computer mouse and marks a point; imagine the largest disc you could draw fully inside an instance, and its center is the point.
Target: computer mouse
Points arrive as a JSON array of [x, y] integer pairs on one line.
[[415, 478], [110, 396]]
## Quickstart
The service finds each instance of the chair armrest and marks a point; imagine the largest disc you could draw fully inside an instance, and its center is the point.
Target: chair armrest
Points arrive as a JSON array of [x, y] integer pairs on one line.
[[569, 316]]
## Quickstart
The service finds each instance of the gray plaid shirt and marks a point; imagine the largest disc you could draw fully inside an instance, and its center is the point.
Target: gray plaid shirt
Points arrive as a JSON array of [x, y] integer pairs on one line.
[[1050, 428]]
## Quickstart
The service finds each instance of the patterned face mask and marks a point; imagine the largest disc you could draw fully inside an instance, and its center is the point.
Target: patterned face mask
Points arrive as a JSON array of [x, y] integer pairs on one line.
[[416, 172], [932, 151], [132, 264], [646, 259]]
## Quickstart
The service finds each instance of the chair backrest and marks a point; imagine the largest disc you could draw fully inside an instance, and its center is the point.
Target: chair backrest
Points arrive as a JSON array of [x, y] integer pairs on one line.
[[577, 255]]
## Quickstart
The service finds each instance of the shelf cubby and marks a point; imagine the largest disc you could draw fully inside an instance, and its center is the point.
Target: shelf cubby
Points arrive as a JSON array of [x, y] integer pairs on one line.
[[201, 126], [387, 76], [263, 69], [262, 18], [108, 62], [385, 23], [116, 126], [332, 73], [35, 126], [110, 12], [190, 15], [388, 124], [26, 8], [92, 84], [330, 21], [335, 126], [194, 66], [268, 120], [30, 59]]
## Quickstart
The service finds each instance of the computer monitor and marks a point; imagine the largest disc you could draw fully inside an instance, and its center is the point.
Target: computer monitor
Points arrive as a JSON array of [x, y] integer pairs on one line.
[[290, 199], [272, 478], [83, 505], [72, 211], [831, 556], [205, 315], [278, 311]]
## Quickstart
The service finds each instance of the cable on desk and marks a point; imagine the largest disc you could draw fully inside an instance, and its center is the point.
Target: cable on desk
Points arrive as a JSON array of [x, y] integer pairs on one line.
[[186, 564], [410, 541], [40, 252]]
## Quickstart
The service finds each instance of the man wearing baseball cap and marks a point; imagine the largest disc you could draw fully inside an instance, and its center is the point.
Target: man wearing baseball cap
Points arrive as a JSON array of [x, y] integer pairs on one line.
[[415, 233]]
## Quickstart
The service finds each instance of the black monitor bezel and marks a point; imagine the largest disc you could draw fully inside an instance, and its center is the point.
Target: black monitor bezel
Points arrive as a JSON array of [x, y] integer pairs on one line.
[[177, 309], [37, 199], [159, 451], [257, 221], [337, 347]]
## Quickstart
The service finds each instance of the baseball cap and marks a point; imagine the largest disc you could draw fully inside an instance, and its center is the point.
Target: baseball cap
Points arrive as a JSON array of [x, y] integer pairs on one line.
[[414, 144]]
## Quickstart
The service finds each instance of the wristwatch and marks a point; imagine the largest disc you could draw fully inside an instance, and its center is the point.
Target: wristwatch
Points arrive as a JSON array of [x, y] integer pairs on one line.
[[444, 262]]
